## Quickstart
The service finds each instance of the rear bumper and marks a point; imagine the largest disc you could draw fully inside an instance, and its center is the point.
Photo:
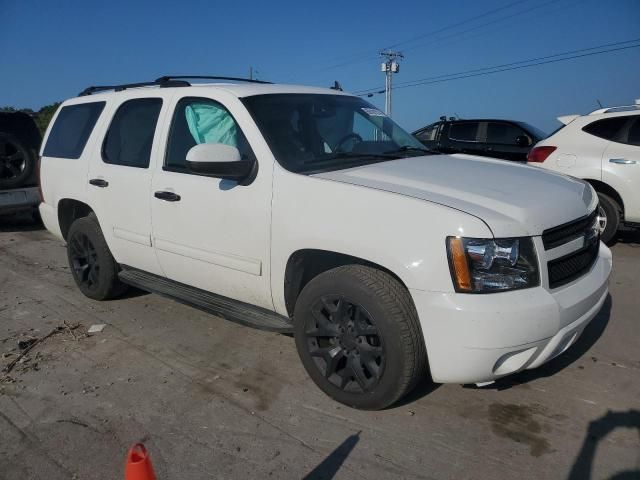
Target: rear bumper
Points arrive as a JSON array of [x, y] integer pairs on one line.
[[479, 338], [18, 199]]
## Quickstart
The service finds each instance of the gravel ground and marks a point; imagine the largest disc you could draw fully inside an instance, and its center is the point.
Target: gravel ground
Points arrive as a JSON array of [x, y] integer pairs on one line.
[[212, 399]]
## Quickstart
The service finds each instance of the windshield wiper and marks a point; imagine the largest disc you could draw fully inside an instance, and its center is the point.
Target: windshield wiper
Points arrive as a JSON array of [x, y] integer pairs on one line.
[[408, 148]]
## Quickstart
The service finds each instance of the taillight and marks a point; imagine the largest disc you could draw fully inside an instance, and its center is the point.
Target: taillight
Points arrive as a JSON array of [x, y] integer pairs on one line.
[[540, 154], [39, 181]]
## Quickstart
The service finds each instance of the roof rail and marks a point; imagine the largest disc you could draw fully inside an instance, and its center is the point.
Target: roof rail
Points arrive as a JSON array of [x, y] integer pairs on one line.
[[118, 88], [163, 82], [167, 78], [622, 108]]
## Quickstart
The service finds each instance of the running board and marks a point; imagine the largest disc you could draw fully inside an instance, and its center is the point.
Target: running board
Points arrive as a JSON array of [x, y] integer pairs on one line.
[[233, 310]]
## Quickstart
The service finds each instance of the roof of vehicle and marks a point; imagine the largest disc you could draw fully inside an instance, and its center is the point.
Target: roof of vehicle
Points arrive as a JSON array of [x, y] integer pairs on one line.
[[606, 112], [518, 122], [240, 90]]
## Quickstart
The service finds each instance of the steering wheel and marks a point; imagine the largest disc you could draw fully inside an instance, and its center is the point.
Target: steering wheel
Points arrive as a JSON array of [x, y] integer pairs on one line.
[[348, 136]]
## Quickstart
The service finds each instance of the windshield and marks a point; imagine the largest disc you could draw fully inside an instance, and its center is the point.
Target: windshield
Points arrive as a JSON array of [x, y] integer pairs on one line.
[[310, 133]]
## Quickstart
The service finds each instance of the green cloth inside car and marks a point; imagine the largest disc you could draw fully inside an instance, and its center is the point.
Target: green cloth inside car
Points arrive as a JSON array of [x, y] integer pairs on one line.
[[211, 124]]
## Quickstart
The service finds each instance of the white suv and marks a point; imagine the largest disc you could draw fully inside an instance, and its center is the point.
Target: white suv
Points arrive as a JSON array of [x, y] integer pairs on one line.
[[307, 210], [602, 148]]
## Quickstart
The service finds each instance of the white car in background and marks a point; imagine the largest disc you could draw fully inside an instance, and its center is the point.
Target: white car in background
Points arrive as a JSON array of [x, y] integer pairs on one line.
[[602, 148]]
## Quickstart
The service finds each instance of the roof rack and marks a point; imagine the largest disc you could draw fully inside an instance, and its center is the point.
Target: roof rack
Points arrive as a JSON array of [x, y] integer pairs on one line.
[[622, 108], [118, 88], [167, 78], [163, 82]]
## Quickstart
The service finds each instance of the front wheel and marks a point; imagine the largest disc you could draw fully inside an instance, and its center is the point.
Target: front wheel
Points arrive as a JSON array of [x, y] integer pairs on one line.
[[608, 217], [358, 336]]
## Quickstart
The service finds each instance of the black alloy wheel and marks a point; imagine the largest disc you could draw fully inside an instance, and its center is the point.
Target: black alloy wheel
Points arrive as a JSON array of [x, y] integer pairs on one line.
[[358, 336], [84, 261], [94, 269], [16, 162], [345, 344]]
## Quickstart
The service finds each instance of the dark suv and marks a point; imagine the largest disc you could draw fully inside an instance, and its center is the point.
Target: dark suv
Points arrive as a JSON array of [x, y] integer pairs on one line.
[[504, 139]]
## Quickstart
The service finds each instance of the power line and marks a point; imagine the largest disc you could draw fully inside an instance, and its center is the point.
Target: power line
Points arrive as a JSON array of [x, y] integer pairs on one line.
[[358, 58], [458, 36], [365, 90], [477, 27], [454, 25], [507, 66]]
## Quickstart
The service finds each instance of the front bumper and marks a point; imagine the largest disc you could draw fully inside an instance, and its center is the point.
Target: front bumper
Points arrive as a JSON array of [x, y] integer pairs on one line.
[[479, 338]]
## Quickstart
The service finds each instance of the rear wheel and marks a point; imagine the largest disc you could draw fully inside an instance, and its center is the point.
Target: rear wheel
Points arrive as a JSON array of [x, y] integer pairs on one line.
[[358, 336], [609, 217], [17, 162], [93, 267]]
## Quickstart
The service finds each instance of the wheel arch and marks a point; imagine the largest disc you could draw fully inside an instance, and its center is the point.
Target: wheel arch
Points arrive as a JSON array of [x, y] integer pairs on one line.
[[305, 264], [607, 189], [69, 210]]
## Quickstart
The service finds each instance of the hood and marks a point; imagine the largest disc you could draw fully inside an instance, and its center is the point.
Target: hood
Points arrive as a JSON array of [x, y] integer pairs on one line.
[[512, 199]]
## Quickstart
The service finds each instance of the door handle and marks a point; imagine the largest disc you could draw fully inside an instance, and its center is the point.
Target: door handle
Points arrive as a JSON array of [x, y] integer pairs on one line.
[[167, 196], [622, 161], [99, 182]]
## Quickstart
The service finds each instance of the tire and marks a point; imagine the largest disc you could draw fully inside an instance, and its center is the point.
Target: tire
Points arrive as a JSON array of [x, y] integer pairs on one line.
[[609, 212], [94, 269], [379, 355], [17, 162]]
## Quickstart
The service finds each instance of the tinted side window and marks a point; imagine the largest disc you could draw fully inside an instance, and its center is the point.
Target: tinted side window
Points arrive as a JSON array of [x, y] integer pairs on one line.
[[201, 120], [130, 136], [633, 136], [71, 131], [607, 128], [464, 131], [503, 133], [428, 134]]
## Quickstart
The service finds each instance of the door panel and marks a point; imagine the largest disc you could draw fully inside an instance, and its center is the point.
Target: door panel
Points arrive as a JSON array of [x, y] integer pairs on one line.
[[463, 138], [500, 141], [216, 236], [621, 170], [120, 181]]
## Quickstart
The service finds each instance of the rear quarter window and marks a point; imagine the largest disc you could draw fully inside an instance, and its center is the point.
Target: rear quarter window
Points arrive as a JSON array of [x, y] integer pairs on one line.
[[608, 128], [71, 130]]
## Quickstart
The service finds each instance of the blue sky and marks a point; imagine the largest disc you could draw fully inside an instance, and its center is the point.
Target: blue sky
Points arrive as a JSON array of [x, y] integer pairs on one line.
[[53, 49]]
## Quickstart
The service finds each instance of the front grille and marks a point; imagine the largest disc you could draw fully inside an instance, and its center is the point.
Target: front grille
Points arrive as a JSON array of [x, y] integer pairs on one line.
[[566, 269], [556, 236]]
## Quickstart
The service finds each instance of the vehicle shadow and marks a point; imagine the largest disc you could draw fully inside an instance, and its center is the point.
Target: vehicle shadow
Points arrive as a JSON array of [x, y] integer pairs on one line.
[[422, 389], [20, 222], [329, 467], [596, 432], [131, 292], [589, 337]]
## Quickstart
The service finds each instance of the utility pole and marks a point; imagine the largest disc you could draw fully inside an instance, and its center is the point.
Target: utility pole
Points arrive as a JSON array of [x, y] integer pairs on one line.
[[389, 67], [250, 73]]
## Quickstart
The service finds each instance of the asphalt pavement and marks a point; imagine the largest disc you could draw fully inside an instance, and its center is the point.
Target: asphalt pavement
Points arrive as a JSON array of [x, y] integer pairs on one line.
[[212, 399]]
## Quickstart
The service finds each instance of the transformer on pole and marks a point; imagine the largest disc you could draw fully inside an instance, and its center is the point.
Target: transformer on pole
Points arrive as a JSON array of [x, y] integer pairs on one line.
[[390, 66]]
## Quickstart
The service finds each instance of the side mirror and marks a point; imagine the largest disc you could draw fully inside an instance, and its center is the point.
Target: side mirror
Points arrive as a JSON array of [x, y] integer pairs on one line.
[[218, 160], [523, 141]]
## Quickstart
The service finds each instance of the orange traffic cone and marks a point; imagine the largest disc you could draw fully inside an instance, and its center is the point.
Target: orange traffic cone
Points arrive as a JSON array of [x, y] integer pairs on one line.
[[138, 466]]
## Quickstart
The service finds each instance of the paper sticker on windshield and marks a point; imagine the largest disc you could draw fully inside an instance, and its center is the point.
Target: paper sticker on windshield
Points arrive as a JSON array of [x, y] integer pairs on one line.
[[373, 112]]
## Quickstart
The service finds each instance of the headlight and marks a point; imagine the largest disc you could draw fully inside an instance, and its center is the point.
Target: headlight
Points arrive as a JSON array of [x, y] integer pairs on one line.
[[482, 265]]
